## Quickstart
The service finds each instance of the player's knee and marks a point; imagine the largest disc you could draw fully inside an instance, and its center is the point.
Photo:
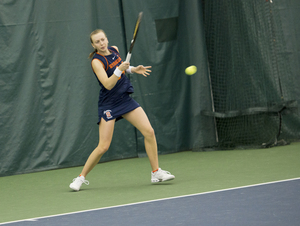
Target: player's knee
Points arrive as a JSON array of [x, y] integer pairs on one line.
[[101, 149], [149, 133]]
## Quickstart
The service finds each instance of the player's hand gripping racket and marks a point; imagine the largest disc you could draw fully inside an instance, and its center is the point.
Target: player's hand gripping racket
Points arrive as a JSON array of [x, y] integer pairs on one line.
[[136, 29]]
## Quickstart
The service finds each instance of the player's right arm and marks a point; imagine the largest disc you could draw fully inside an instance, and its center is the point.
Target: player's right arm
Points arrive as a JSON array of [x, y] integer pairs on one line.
[[107, 82]]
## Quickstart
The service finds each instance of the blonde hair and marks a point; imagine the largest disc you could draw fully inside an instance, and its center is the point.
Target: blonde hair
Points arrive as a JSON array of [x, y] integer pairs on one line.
[[93, 33]]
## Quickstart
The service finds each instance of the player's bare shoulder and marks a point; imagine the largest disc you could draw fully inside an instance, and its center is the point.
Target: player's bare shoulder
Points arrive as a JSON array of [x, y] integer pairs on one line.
[[116, 48]]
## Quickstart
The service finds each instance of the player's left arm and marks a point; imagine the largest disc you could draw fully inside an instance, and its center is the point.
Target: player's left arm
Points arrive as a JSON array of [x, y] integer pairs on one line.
[[142, 70]]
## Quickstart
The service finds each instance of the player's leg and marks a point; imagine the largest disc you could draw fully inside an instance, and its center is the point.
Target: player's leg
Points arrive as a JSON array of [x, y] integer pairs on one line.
[[105, 137], [139, 119], [106, 130]]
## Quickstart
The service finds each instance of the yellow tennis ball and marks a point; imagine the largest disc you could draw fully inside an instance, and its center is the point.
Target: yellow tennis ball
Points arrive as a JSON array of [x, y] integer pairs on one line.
[[191, 70]]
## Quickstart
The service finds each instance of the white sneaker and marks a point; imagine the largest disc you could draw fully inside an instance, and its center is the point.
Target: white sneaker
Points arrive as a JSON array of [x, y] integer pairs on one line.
[[77, 182], [161, 175]]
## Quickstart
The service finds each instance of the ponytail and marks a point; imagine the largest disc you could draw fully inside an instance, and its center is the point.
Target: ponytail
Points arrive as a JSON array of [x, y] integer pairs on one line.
[[92, 53]]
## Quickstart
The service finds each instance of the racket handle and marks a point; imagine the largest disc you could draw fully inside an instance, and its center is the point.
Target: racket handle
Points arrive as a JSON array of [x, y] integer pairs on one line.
[[128, 57]]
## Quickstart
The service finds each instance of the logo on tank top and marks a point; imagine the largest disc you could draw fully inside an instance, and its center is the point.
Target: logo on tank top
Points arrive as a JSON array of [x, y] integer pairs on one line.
[[115, 63], [108, 114]]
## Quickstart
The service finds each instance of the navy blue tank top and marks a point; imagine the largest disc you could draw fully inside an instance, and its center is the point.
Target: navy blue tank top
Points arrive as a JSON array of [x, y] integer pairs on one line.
[[123, 86]]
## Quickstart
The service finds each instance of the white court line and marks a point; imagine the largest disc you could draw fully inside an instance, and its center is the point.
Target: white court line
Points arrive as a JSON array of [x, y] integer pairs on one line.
[[156, 200]]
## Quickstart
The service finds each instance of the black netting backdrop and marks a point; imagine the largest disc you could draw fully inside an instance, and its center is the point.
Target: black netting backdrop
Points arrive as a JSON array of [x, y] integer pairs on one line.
[[250, 75]]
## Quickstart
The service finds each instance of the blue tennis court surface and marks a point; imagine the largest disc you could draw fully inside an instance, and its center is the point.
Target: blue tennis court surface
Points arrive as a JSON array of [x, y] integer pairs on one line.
[[275, 203]]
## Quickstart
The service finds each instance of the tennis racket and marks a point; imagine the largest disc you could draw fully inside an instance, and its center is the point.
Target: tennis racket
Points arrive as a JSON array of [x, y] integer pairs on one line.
[[136, 29]]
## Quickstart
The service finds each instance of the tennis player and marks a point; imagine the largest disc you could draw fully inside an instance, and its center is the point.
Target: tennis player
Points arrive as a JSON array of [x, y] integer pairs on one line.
[[114, 104]]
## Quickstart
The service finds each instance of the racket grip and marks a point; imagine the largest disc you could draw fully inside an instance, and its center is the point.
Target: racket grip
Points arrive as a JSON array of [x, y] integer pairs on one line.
[[128, 57]]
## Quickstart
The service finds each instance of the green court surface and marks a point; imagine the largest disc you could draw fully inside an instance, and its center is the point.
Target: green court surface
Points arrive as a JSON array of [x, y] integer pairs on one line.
[[128, 181]]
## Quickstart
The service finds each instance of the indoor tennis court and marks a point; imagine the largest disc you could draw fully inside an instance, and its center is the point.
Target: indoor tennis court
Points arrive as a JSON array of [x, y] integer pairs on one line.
[[222, 98], [276, 203], [253, 187]]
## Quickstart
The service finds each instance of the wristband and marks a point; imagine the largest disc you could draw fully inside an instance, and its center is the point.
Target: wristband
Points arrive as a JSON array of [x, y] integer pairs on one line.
[[129, 70], [118, 72]]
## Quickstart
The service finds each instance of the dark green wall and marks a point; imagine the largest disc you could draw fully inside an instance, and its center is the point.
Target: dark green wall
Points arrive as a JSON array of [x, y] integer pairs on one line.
[[49, 94]]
